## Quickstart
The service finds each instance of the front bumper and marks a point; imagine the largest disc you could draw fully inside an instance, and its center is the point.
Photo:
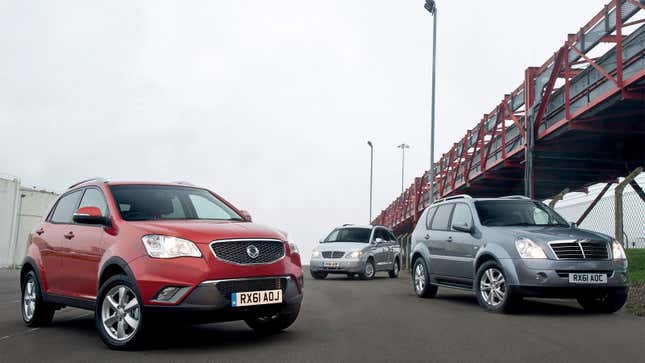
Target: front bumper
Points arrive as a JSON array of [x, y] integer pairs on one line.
[[211, 301], [550, 278], [344, 265]]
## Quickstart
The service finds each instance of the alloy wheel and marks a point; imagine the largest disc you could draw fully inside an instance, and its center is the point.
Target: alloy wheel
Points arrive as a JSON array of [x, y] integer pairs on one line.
[[369, 270], [419, 277], [29, 299], [492, 286], [120, 313]]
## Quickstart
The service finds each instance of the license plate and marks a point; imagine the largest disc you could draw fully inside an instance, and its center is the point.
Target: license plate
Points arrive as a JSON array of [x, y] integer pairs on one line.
[[332, 264], [256, 298], [587, 278]]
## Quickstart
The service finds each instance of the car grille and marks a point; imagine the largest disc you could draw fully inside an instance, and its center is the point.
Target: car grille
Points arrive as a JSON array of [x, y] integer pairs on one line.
[[333, 254], [236, 251], [227, 287], [580, 250]]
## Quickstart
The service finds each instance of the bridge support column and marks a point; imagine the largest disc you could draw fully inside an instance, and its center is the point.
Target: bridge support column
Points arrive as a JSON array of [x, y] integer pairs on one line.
[[558, 197], [618, 206]]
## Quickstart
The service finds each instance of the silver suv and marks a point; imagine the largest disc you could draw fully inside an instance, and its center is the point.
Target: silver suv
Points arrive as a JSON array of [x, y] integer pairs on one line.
[[353, 250], [507, 248]]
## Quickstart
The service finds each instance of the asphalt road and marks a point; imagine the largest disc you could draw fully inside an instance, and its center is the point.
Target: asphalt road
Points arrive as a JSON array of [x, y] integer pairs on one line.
[[350, 320]]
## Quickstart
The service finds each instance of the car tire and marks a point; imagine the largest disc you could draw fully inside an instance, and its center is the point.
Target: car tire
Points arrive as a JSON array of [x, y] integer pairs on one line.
[[267, 325], [421, 280], [119, 314], [606, 303], [369, 270], [394, 273], [35, 311], [494, 294], [318, 275]]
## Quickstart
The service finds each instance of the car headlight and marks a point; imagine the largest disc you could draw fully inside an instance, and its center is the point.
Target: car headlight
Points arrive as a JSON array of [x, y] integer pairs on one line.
[[315, 253], [529, 249], [294, 248], [617, 251], [355, 254], [160, 246]]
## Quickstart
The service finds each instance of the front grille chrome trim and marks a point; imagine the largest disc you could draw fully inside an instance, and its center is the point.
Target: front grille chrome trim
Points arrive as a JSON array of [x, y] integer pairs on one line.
[[215, 282], [578, 250], [284, 250]]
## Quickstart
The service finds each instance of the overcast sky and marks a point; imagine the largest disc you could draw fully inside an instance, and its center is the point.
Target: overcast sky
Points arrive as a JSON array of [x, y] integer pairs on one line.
[[269, 103]]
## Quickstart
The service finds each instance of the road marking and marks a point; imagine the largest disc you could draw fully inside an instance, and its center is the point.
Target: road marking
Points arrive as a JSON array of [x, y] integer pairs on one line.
[[34, 329]]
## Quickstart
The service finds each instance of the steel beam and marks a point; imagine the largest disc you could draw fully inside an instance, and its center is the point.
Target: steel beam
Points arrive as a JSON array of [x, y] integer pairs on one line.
[[618, 203]]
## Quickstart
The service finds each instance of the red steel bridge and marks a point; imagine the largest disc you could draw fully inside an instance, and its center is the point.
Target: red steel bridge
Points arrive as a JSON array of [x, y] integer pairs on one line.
[[576, 120]]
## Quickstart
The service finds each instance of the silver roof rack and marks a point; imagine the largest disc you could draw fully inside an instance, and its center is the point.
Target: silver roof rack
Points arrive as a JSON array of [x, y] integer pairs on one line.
[[458, 196], [184, 183], [515, 197], [98, 179]]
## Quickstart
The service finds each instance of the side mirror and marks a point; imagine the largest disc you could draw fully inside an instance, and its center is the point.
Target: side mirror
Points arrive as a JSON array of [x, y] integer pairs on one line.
[[90, 215], [573, 224], [462, 228], [379, 240], [246, 215]]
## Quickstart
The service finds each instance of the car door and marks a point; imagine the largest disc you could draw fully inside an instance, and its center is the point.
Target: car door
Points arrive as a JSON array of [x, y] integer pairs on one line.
[[461, 244], [380, 248], [392, 249], [51, 238], [83, 250], [438, 233]]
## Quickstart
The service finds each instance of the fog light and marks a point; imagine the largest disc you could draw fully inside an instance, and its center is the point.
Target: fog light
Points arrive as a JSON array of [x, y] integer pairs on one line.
[[167, 293], [541, 276]]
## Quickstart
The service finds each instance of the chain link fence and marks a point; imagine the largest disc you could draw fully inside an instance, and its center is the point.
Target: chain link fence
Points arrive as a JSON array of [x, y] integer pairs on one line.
[[602, 216]]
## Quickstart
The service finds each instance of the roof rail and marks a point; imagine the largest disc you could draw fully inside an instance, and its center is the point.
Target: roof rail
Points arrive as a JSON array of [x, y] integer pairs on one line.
[[348, 224], [98, 179], [515, 197], [184, 183], [457, 196]]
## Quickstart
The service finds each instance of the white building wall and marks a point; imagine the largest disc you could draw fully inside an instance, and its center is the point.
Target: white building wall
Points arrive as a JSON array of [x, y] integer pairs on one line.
[[21, 209], [9, 198]]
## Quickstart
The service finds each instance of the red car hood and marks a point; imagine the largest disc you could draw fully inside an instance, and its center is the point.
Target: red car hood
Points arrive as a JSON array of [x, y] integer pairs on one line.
[[205, 231]]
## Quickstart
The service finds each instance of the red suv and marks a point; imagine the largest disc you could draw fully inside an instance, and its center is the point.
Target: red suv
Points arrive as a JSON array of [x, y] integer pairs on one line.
[[138, 252]]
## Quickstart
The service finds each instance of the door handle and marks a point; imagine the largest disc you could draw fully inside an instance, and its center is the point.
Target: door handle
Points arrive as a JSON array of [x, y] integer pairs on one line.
[[69, 235], [427, 236], [40, 231]]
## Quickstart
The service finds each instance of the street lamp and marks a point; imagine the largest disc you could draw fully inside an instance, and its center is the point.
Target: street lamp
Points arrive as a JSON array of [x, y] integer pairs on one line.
[[403, 147], [371, 174], [431, 6]]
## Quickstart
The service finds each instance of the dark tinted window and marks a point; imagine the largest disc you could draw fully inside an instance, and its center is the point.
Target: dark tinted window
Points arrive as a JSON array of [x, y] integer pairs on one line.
[[66, 207], [391, 236], [349, 235], [150, 202], [441, 217], [517, 213], [94, 198], [461, 215], [382, 234], [429, 216]]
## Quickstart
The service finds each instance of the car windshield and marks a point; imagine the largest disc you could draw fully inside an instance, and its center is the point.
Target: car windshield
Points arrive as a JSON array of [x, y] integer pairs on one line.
[[517, 213], [157, 202], [349, 235]]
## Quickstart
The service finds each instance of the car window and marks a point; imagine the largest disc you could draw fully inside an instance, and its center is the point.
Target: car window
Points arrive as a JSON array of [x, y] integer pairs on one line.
[[461, 216], [429, 216], [206, 209], [66, 207], [381, 233], [505, 212], [441, 217], [351, 234], [94, 198], [152, 202], [391, 236]]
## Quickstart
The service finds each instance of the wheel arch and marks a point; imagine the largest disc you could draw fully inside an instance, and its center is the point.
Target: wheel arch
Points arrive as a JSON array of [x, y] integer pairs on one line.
[[115, 266], [29, 264]]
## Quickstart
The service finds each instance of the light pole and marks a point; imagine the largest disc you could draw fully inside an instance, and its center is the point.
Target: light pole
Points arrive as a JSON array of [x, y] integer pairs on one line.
[[403, 147], [371, 174], [432, 8]]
